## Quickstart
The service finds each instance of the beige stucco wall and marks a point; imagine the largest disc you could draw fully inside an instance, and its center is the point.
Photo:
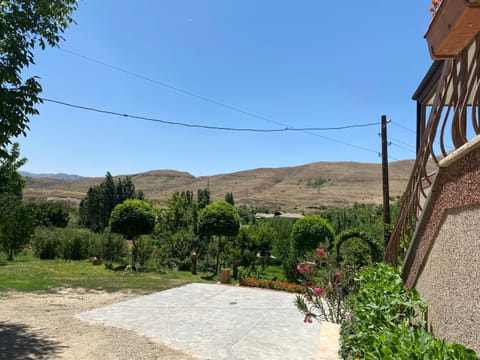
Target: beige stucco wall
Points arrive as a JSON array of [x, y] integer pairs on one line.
[[450, 280], [443, 261]]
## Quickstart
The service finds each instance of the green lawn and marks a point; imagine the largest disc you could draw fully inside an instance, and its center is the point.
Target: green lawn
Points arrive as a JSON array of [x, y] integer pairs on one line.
[[31, 274]]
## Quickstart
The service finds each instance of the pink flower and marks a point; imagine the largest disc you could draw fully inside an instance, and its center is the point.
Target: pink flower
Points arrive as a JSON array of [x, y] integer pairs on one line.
[[308, 297], [308, 268], [308, 319], [300, 269], [318, 291], [321, 252], [336, 276]]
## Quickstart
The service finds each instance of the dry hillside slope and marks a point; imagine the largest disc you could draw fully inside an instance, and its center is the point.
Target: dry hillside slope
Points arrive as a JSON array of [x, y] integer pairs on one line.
[[331, 184]]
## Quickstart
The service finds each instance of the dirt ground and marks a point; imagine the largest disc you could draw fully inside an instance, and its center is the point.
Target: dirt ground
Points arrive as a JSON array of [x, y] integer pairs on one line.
[[44, 326]]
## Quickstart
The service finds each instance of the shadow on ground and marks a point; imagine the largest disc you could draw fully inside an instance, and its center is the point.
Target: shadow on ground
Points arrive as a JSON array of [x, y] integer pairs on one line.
[[19, 341]]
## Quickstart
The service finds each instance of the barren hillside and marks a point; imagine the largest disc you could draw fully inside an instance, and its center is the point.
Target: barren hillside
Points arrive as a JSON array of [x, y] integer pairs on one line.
[[330, 184]]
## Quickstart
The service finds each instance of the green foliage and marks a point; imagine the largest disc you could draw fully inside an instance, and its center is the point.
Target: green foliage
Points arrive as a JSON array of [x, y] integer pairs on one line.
[[11, 182], [388, 322], [310, 232], [16, 228], [317, 182], [96, 207], [367, 218], [16, 222], [219, 218], [114, 246], [355, 249], [66, 243], [180, 214], [229, 198], [46, 243], [50, 213], [144, 249], [25, 24], [132, 218], [247, 215], [325, 288], [203, 198]]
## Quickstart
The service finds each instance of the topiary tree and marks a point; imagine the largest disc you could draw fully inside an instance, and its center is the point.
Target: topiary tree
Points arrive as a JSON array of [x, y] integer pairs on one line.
[[309, 232], [221, 219], [133, 218]]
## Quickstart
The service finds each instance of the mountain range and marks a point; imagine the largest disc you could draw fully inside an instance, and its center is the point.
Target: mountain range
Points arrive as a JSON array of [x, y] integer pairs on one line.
[[311, 186]]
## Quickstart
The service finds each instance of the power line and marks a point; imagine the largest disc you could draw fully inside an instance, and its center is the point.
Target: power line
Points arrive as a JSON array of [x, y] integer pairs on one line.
[[212, 101], [403, 127], [402, 142], [175, 88], [166, 122], [402, 147]]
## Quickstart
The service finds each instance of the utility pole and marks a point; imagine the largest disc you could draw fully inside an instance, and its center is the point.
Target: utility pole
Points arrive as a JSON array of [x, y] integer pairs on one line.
[[386, 190]]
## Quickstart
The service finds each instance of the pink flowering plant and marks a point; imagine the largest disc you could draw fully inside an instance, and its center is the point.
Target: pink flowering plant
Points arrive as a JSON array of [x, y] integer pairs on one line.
[[325, 287]]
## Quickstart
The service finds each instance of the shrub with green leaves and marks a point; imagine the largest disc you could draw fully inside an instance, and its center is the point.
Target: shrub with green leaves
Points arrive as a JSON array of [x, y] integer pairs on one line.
[[388, 322], [66, 243], [114, 246]]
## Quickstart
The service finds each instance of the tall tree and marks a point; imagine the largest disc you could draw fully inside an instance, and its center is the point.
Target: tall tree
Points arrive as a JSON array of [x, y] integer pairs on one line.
[[203, 198], [133, 218], [220, 219], [229, 198], [16, 223], [96, 207], [24, 25], [11, 182]]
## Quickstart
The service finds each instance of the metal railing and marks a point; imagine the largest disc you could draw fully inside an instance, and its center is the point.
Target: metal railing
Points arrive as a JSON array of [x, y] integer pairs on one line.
[[456, 106]]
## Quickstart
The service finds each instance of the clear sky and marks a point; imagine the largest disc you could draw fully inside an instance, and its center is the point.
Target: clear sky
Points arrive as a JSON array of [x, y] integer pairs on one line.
[[303, 64]]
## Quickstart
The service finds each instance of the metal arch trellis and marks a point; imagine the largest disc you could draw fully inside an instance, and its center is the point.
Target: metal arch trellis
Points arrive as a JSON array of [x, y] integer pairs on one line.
[[456, 104]]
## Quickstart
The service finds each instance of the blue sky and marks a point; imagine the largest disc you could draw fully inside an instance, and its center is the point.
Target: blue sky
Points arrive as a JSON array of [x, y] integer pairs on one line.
[[304, 64]]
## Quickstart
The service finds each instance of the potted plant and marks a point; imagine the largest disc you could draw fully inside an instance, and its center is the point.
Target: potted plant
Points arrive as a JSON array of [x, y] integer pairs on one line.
[[454, 25]]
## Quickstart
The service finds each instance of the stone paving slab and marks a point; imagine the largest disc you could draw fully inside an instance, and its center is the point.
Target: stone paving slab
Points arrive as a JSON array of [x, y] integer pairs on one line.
[[218, 322]]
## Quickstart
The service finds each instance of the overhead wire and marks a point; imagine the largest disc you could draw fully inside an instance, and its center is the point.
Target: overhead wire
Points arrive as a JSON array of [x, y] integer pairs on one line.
[[402, 127], [167, 122], [402, 147], [210, 100], [401, 142]]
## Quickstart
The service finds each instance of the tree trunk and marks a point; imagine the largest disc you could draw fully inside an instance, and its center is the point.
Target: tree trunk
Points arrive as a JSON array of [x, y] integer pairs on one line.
[[218, 254], [134, 251]]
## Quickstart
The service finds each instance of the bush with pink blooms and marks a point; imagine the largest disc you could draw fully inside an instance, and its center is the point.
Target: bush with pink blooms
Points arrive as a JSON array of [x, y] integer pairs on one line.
[[324, 288]]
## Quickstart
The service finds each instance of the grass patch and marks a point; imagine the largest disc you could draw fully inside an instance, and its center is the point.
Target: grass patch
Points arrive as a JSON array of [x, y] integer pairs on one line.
[[31, 274]]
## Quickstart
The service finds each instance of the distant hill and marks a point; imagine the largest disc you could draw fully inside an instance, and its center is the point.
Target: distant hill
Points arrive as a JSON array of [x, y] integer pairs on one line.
[[59, 176], [311, 186]]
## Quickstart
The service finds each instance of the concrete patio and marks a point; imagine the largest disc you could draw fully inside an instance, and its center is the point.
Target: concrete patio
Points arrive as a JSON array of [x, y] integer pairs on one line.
[[223, 322]]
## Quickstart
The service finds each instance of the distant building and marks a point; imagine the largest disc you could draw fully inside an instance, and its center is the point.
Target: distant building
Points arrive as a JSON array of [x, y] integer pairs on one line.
[[278, 214]]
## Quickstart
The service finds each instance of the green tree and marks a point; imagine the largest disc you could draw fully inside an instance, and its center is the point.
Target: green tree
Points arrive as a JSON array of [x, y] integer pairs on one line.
[[203, 198], [11, 182], [16, 229], [96, 207], [16, 223], [133, 218], [229, 198], [24, 25], [53, 213], [310, 232], [221, 219]]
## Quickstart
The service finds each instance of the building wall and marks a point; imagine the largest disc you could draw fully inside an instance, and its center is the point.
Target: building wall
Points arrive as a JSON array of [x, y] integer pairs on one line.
[[450, 280], [444, 261]]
